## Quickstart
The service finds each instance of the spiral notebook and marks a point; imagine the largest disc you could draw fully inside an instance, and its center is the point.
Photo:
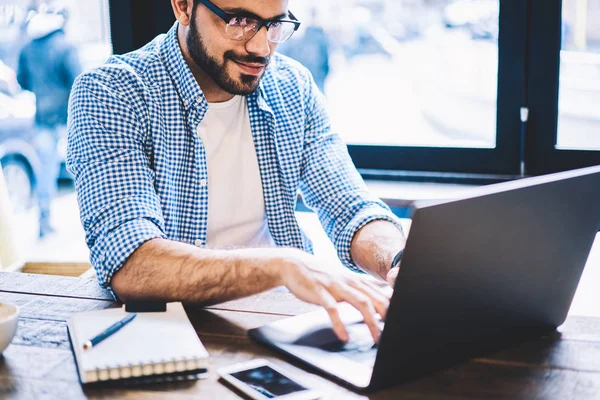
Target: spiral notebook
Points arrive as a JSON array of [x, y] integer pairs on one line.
[[154, 346]]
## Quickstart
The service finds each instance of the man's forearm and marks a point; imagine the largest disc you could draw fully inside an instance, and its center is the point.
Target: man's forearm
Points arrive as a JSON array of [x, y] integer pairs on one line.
[[171, 271], [374, 246]]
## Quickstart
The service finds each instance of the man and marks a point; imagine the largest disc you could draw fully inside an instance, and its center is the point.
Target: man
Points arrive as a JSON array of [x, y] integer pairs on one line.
[[188, 155], [48, 66]]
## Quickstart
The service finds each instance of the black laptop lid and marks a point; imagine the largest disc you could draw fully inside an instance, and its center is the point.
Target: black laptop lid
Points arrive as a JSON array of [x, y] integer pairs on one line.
[[488, 269]]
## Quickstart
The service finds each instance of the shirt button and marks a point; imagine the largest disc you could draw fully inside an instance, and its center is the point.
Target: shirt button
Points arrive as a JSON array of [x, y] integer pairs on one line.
[[203, 182], [199, 242]]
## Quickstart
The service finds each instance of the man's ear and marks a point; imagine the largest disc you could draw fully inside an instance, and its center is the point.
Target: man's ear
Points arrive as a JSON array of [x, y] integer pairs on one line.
[[183, 10]]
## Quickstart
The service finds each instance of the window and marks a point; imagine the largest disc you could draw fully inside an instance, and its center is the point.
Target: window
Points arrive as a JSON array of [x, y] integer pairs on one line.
[[404, 73], [415, 86], [562, 86], [579, 99]]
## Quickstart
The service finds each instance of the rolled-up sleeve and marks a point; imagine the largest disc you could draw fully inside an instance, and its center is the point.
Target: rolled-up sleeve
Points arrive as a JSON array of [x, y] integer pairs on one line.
[[119, 207], [331, 185]]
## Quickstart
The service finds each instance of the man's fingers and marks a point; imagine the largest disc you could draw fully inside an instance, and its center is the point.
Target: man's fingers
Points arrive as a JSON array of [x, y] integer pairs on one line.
[[362, 303], [380, 300], [379, 285], [331, 306]]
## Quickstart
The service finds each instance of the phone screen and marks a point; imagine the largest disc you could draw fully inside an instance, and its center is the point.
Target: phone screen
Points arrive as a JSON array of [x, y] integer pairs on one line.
[[268, 382]]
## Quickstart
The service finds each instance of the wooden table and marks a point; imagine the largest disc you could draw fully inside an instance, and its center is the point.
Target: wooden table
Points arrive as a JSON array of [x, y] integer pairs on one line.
[[39, 363]]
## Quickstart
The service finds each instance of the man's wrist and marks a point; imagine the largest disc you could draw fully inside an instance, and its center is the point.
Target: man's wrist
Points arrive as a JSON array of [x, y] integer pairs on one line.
[[281, 263]]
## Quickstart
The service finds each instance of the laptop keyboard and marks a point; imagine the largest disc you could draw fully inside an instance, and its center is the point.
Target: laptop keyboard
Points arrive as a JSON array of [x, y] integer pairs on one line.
[[364, 355]]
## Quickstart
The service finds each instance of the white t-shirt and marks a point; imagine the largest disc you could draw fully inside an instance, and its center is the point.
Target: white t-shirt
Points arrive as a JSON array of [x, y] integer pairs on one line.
[[236, 206]]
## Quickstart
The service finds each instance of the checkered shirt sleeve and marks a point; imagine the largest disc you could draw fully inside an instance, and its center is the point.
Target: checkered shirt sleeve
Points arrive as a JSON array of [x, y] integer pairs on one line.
[[119, 207], [330, 183]]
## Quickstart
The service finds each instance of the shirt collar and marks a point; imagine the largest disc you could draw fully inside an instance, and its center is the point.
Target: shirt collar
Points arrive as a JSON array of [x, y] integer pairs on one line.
[[180, 72]]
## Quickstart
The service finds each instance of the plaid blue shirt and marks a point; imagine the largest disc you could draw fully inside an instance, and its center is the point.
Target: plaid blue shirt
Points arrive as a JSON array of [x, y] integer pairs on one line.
[[138, 163]]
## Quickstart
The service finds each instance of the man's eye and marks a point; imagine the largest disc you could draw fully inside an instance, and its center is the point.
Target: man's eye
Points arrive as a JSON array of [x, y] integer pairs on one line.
[[242, 21]]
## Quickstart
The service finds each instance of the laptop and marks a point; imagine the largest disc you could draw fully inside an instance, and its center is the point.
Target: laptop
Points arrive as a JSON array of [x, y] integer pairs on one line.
[[497, 266]]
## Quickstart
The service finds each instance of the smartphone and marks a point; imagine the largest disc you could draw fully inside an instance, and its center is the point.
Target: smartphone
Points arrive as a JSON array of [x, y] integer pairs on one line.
[[261, 380]]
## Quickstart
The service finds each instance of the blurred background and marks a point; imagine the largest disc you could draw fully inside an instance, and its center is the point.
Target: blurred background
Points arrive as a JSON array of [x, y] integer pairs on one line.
[[44, 45], [435, 60]]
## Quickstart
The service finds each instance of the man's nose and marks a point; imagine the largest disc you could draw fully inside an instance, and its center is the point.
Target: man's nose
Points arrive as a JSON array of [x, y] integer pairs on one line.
[[259, 45]]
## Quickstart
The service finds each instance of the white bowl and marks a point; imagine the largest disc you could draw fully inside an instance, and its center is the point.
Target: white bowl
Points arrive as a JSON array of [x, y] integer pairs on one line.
[[9, 317]]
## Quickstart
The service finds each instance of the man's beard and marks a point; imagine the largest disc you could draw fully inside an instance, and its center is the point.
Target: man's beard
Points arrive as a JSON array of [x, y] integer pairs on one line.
[[216, 70]]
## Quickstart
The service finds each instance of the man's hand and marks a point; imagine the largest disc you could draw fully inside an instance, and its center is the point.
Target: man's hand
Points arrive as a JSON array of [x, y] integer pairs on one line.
[[308, 281], [206, 276]]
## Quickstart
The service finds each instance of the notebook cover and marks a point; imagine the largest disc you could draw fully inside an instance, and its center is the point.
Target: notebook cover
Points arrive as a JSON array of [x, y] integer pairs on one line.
[[153, 346]]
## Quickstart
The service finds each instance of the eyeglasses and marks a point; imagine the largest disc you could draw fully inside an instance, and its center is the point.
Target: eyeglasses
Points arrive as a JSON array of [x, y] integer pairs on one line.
[[241, 27]]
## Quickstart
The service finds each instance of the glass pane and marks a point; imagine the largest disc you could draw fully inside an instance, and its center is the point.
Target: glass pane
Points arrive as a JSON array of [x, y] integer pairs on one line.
[[579, 99], [35, 80], [404, 72]]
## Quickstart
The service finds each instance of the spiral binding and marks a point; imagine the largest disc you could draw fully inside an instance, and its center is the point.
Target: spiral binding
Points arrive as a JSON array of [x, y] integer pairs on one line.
[[165, 366]]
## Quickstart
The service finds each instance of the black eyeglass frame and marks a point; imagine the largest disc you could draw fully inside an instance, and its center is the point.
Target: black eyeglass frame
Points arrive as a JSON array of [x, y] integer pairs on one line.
[[227, 17]]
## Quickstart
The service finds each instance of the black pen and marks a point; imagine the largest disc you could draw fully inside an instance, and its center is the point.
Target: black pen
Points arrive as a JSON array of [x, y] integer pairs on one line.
[[109, 331]]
